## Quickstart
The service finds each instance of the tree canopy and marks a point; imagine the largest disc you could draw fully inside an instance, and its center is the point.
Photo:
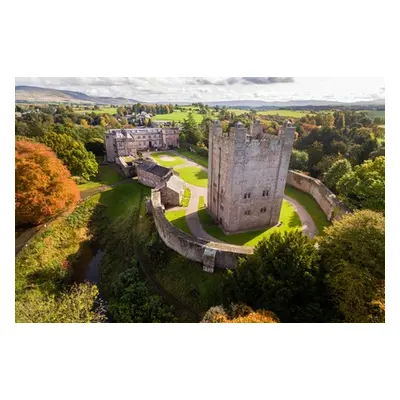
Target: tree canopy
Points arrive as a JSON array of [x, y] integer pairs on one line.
[[283, 276], [353, 255], [43, 186], [364, 186], [72, 153]]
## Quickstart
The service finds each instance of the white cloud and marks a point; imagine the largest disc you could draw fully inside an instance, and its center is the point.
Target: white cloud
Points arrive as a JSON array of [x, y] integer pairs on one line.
[[218, 88]]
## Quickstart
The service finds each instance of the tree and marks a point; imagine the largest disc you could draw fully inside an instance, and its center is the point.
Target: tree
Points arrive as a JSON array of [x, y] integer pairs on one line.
[[364, 187], [315, 154], [190, 130], [299, 160], [336, 172], [43, 186], [73, 154], [283, 276], [238, 313], [353, 253]]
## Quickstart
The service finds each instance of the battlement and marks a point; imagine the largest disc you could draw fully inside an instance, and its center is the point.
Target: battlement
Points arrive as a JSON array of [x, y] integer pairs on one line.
[[254, 134]]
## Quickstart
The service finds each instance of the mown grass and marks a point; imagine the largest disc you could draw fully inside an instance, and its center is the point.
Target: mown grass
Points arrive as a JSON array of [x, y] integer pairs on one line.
[[310, 205], [194, 156], [107, 175], [194, 175], [186, 280], [178, 219], [288, 216], [165, 163], [186, 197]]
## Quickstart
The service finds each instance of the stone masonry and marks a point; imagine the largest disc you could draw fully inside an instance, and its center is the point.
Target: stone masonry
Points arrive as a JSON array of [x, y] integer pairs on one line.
[[247, 175]]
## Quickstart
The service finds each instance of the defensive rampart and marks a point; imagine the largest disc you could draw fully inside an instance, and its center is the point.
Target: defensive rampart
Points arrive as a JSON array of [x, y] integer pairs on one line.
[[210, 254], [329, 203]]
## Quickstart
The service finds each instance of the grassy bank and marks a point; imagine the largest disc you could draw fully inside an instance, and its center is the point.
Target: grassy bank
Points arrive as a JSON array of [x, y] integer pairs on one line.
[[107, 175], [310, 205], [178, 219]]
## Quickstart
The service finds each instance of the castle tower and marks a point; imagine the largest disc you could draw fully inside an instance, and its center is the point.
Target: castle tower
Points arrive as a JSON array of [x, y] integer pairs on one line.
[[247, 172]]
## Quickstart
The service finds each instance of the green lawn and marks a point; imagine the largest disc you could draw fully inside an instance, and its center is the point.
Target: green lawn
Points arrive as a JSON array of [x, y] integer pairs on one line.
[[288, 216], [310, 205], [178, 219], [194, 156], [186, 280], [194, 175], [158, 156], [107, 175], [186, 197], [120, 198], [105, 110], [177, 116]]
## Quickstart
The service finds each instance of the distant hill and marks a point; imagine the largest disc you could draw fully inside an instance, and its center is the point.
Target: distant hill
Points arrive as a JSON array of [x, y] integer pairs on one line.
[[293, 103], [34, 94]]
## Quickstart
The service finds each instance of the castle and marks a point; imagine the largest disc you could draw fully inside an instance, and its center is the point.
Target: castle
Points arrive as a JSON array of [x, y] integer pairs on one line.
[[247, 172], [126, 142]]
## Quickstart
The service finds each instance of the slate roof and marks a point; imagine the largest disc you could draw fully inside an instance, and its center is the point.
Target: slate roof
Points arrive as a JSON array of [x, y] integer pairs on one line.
[[154, 168]]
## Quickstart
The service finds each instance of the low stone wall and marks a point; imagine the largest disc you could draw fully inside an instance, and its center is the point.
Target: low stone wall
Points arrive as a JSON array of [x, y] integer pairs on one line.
[[329, 203], [126, 169], [210, 254]]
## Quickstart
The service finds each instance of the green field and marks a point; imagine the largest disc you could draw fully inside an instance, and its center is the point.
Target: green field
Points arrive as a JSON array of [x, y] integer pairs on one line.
[[373, 113], [310, 205], [107, 175], [194, 156], [282, 113], [177, 116], [194, 175], [158, 156], [178, 219], [288, 216], [105, 110]]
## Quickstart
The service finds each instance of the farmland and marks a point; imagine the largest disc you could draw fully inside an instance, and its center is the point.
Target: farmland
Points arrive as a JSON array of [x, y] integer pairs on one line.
[[104, 110]]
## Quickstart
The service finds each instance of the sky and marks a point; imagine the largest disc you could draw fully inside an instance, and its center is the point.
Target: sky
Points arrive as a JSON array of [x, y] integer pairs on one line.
[[219, 88]]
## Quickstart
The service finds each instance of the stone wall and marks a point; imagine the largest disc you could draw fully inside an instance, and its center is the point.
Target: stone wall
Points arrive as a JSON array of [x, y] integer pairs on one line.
[[210, 254], [329, 203], [126, 169]]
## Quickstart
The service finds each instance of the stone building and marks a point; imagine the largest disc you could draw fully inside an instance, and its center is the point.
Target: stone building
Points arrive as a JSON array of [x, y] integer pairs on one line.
[[152, 174], [247, 172], [126, 142]]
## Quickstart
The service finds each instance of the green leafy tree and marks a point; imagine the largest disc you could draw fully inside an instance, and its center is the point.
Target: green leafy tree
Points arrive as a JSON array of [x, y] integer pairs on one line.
[[283, 276], [364, 186], [336, 172], [299, 160], [73, 154], [190, 131], [353, 253], [315, 154]]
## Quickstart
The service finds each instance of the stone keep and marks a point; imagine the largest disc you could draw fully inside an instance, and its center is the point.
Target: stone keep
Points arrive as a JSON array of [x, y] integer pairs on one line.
[[247, 171]]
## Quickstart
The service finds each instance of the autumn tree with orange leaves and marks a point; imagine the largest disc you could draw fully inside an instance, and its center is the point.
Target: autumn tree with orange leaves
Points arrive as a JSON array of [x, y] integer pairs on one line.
[[43, 186]]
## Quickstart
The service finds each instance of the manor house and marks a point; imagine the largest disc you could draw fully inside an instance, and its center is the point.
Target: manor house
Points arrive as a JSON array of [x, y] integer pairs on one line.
[[247, 170], [126, 142]]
